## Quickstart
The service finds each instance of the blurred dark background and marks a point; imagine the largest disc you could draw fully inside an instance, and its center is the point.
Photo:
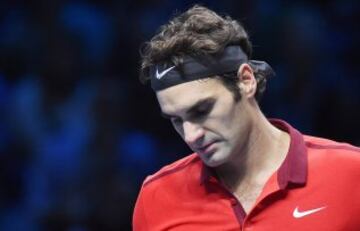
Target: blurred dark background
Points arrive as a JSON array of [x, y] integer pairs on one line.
[[78, 132]]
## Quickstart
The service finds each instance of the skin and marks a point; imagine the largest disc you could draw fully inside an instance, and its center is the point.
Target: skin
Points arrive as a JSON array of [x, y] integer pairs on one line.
[[234, 138]]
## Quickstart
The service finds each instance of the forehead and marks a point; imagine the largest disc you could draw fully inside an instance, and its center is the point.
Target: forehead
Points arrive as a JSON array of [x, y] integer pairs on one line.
[[182, 96]]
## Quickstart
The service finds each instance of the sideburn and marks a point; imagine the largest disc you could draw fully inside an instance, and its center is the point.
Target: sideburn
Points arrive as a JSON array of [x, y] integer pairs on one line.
[[230, 81]]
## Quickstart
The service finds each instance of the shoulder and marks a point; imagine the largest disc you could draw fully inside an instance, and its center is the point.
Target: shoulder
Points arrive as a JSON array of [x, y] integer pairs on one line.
[[330, 146], [331, 153], [164, 186], [332, 176], [322, 143], [164, 189], [174, 170]]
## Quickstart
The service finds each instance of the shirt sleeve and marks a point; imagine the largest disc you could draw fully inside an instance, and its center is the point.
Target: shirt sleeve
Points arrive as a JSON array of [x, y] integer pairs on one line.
[[139, 216]]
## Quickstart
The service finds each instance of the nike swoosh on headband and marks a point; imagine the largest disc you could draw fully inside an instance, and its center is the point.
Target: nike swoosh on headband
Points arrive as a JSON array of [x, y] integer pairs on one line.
[[163, 73]]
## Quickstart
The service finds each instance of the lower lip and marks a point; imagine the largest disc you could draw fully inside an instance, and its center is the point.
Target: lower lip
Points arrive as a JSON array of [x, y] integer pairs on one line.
[[208, 149]]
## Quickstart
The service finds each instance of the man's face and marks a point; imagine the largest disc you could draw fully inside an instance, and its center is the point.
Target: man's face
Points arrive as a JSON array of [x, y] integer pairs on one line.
[[208, 119]]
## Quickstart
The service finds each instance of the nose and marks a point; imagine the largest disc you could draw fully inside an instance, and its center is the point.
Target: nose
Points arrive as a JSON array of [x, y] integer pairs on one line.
[[192, 133]]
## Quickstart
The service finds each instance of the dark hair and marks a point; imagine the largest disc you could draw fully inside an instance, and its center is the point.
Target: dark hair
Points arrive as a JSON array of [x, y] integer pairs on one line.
[[198, 31]]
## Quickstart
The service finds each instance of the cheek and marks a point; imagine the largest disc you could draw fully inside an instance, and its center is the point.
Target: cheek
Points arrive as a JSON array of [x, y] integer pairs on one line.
[[231, 122], [226, 117], [221, 124]]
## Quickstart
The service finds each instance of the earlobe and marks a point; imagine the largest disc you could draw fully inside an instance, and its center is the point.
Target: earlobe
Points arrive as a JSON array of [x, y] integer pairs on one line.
[[247, 81]]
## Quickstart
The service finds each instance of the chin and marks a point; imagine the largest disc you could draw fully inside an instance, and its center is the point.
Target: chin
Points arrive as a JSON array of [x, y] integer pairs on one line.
[[214, 160]]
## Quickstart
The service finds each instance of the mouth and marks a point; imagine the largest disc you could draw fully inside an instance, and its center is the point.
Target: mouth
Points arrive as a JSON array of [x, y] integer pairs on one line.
[[207, 148]]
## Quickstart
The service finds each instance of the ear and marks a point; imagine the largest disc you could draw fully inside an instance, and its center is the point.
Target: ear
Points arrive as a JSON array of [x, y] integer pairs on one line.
[[247, 81]]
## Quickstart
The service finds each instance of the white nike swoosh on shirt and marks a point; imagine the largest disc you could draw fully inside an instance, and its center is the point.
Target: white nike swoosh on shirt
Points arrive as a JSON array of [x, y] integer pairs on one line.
[[299, 214], [161, 74]]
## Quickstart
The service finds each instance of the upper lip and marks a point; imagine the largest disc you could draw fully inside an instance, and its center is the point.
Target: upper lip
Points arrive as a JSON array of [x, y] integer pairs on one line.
[[203, 147]]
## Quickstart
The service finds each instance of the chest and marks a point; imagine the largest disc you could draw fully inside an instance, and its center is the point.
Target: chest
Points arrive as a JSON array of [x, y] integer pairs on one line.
[[314, 207], [280, 211]]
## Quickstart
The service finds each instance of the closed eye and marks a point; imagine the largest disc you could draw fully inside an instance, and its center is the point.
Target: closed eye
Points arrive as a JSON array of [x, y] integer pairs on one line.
[[196, 112], [201, 110]]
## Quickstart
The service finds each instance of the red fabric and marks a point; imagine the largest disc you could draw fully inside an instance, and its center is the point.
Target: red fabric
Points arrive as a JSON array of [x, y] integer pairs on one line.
[[317, 173]]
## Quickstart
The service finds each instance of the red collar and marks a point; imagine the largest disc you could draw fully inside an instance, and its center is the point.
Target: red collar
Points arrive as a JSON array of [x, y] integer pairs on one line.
[[294, 168]]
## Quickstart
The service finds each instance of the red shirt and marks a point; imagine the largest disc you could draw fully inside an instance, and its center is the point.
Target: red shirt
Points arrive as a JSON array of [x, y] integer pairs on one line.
[[315, 188]]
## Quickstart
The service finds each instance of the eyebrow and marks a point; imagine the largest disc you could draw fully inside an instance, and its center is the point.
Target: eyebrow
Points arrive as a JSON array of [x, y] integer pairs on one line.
[[193, 108]]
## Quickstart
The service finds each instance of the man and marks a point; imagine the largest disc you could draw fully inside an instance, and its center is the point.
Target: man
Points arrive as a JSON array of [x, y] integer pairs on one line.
[[247, 172]]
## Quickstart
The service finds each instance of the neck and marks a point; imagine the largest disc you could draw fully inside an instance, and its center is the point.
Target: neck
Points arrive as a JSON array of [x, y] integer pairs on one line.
[[259, 157]]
